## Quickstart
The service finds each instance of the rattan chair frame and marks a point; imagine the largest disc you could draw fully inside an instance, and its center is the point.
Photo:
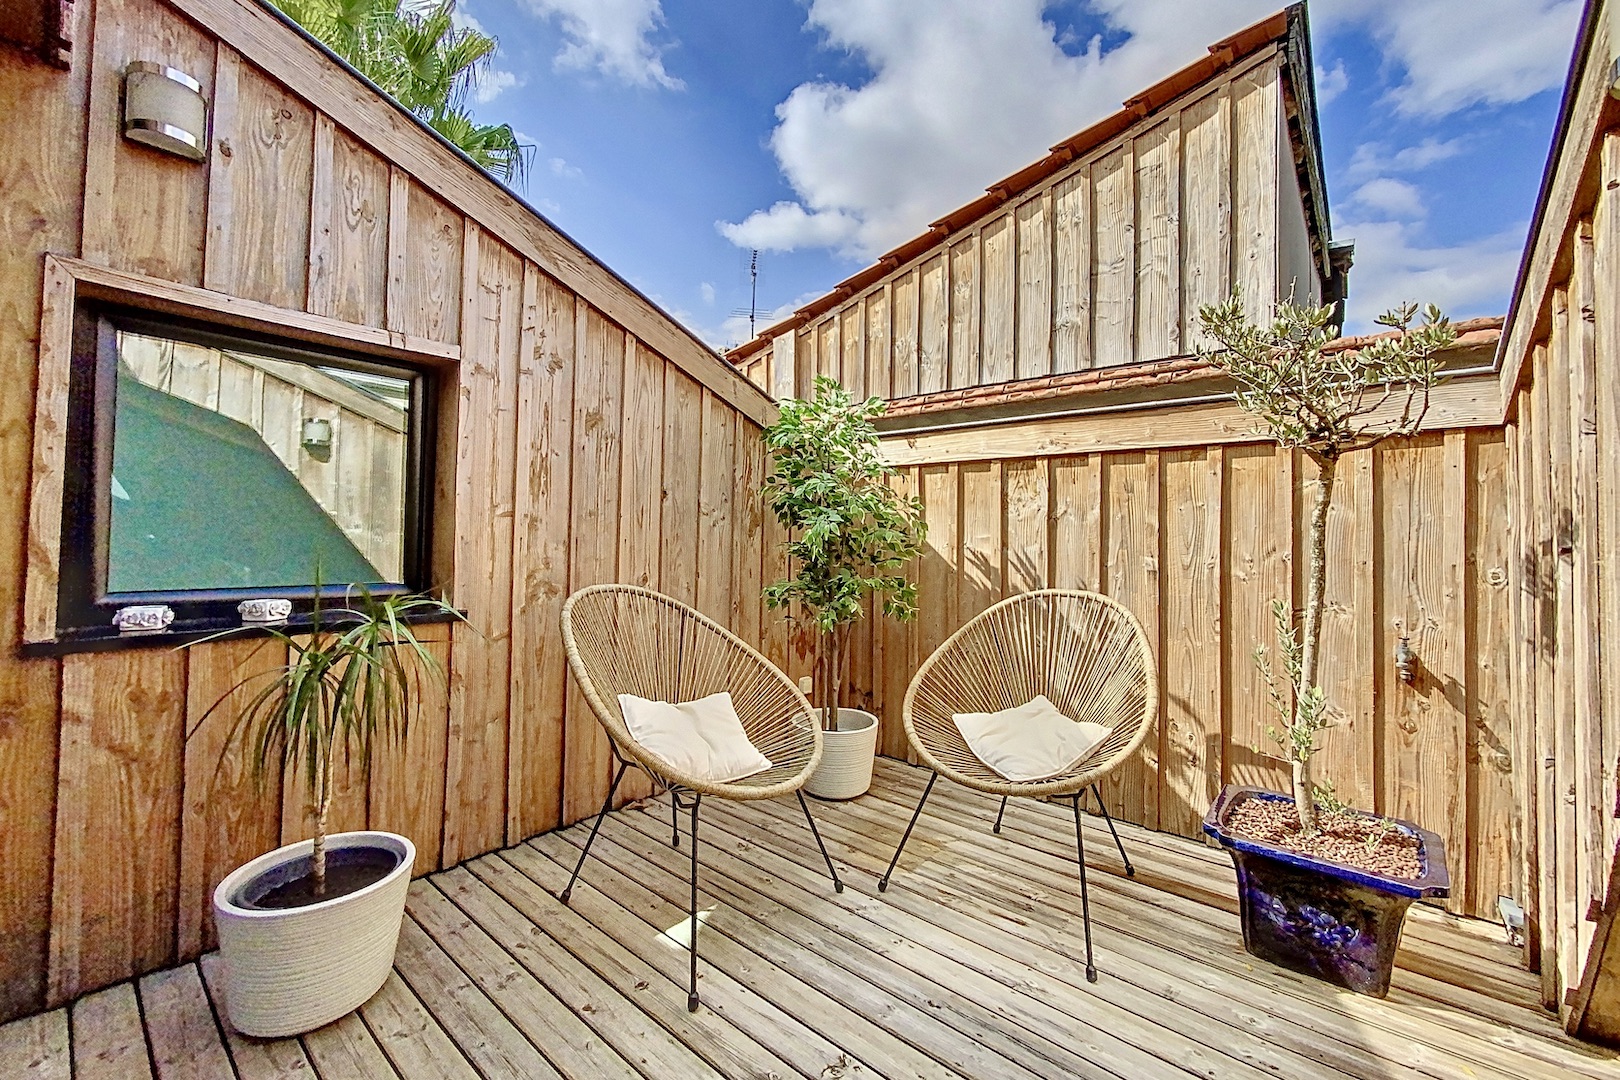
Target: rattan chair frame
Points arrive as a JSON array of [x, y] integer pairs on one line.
[[1099, 667], [624, 639]]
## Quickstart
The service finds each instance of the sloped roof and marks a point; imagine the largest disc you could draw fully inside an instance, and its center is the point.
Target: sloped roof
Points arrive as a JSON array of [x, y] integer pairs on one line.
[[1288, 27]]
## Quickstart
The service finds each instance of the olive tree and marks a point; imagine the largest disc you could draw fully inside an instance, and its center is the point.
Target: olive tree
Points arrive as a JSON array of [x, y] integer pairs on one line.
[[850, 534], [1327, 402]]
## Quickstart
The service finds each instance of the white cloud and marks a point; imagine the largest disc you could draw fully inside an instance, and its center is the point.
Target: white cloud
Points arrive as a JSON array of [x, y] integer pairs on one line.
[[560, 167], [1457, 53], [1378, 159], [1390, 198], [613, 37], [1331, 83], [786, 226], [493, 83], [1392, 265], [961, 93], [707, 290]]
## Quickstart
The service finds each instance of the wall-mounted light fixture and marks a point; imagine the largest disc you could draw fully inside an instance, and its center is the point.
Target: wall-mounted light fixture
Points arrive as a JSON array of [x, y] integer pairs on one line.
[[317, 438], [1405, 660], [164, 109]]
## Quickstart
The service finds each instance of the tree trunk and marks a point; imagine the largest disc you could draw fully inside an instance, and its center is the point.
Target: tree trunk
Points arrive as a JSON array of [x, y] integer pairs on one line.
[[323, 805], [1315, 587]]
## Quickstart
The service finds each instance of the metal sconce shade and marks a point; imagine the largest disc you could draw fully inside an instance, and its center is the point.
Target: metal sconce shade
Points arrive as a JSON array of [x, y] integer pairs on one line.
[[317, 438], [164, 109]]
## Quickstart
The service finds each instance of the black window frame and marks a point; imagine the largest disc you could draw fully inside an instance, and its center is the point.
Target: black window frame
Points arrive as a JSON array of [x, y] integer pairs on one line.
[[84, 606]]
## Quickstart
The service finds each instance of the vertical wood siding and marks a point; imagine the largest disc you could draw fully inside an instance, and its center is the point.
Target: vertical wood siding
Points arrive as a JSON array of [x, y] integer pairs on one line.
[[1198, 542], [573, 452], [1105, 263]]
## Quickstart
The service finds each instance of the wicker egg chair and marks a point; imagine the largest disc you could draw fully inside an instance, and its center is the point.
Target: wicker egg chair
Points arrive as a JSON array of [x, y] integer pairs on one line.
[[1088, 654], [621, 639]]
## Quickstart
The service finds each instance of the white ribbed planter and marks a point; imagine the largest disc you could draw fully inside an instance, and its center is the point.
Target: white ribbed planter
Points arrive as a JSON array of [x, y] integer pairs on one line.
[[846, 757], [294, 970]]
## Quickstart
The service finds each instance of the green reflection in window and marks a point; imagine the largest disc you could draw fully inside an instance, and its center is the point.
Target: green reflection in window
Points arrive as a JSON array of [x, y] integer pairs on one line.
[[234, 471]]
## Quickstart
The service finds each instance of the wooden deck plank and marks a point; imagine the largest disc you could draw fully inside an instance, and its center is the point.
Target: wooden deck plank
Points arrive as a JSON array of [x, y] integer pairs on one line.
[[758, 920], [415, 1044], [36, 1047], [180, 1027], [615, 1019], [1153, 1037], [347, 1050], [573, 1048], [255, 1059], [724, 987], [1485, 1029], [707, 1032], [109, 1041], [485, 1035], [970, 965]]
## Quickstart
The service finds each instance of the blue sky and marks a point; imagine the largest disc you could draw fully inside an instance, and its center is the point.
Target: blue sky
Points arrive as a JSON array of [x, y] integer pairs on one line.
[[672, 135]]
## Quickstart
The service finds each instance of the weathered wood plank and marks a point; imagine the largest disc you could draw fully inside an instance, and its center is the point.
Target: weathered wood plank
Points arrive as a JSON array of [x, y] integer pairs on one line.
[[121, 760], [1191, 658], [109, 1040], [717, 465], [1255, 101], [1026, 528], [36, 1047], [1158, 241], [879, 362], [594, 541], [967, 285], [906, 360], [1034, 283], [1206, 210], [641, 495], [180, 1025], [1131, 483], [1113, 274], [1072, 348], [981, 565], [933, 326], [348, 272], [408, 779], [1000, 317], [1077, 517], [476, 760], [541, 497], [230, 814]]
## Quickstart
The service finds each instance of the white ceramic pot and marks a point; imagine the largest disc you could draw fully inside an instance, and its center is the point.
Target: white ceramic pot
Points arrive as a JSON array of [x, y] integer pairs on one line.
[[846, 757], [293, 970]]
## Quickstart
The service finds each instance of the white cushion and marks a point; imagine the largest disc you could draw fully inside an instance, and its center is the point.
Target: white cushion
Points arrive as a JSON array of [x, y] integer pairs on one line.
[[703, 739], [1033, 741]]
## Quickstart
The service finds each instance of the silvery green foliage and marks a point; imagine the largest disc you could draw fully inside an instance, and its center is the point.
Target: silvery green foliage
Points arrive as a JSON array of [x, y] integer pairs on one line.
[[1327, 402], [1324, 401], [850, 533]]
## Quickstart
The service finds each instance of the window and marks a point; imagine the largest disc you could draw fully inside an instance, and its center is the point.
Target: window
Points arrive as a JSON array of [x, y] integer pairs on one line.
[[205, 468]]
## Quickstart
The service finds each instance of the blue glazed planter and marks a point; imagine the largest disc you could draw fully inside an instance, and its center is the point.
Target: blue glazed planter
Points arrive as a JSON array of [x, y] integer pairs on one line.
[[1318, 917]]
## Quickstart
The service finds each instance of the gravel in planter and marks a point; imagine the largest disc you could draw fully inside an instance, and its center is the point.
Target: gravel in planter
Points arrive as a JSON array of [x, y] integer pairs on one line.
[[1347, 837]]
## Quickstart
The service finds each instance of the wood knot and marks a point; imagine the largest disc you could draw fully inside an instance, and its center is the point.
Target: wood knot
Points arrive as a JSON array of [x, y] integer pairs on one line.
[[225, 150]]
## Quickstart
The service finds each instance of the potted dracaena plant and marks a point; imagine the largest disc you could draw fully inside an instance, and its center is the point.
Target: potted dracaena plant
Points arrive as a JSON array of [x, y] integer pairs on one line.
[[850, 536], [308, 931], [1323, 889]]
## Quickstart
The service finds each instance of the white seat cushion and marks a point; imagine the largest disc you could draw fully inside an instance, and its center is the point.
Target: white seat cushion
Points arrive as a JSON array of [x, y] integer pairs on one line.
[[703, 739], [1031, 742]]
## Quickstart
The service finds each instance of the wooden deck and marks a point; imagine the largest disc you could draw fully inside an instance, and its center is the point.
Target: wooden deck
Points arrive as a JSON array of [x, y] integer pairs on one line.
[[970, 965]]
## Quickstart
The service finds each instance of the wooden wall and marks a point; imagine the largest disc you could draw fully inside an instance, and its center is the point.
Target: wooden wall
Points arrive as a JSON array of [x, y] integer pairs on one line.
[[1560, 365], [1197, 542], [585, 438], [1105, 263]]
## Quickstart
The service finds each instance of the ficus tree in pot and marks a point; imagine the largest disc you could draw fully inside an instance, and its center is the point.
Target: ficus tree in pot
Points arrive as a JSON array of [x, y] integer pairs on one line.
[[1337, 912], [850, 534]]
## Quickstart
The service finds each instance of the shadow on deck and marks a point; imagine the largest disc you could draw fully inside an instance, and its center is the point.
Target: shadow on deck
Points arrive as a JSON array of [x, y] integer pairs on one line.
[[970, 965]]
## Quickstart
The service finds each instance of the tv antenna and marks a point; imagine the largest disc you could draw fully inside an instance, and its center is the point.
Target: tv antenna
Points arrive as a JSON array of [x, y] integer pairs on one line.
[[752, 311]]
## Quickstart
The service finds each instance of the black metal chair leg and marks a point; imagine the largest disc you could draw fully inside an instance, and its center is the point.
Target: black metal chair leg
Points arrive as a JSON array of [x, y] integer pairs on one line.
[[1130, 871], [607, 804], [997, 828], [838, 886], [675, 820], [1085, 896], [692, 993], [883, 882]]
